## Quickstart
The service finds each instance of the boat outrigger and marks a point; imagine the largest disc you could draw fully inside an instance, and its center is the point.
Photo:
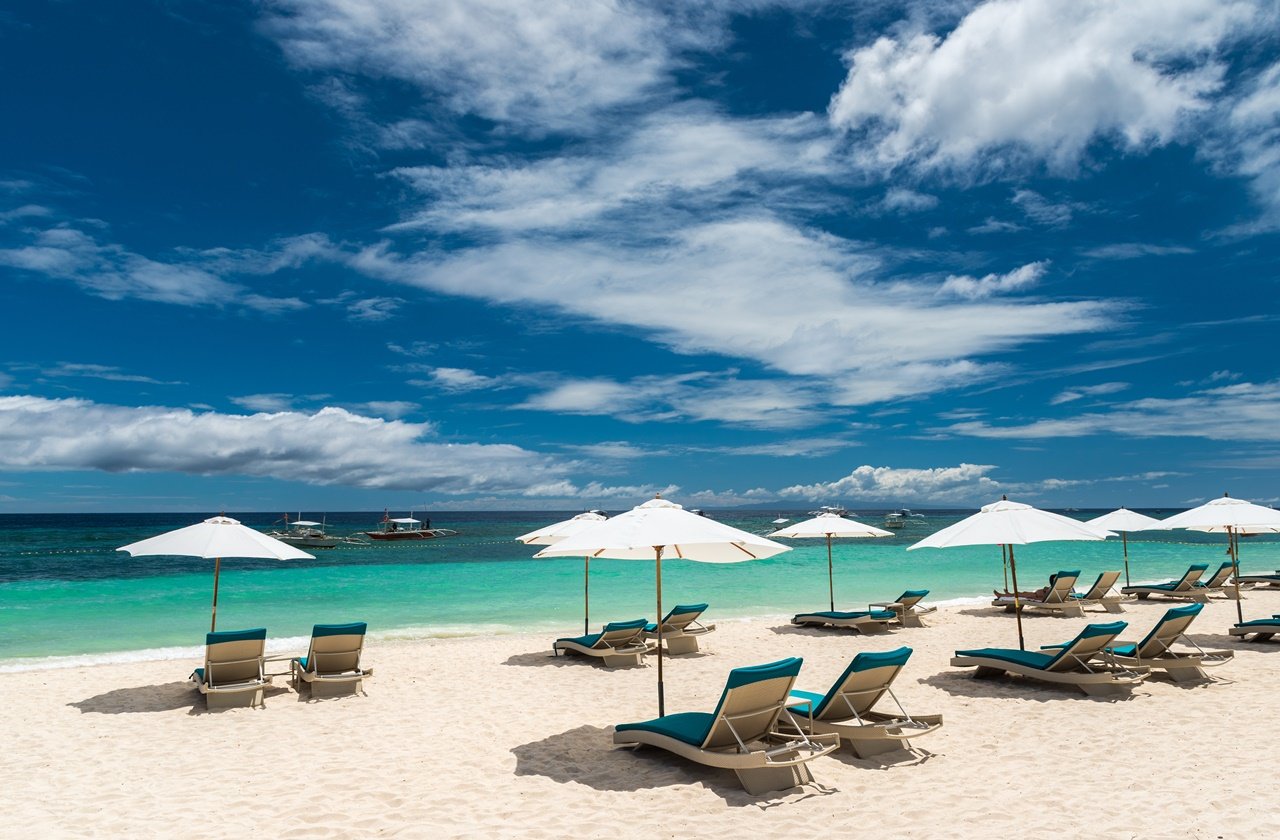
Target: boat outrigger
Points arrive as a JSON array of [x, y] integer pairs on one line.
[[304, 533], [407, 528]]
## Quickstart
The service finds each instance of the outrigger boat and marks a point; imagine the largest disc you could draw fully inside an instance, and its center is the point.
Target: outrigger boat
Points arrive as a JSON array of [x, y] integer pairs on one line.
[[406, 528], [303, 533]]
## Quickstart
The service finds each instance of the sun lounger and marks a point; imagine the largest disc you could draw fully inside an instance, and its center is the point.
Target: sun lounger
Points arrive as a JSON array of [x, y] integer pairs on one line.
[[681, 628], [332, 663], [1059, 599], [1268, 580], [1262, 629], [233, 668], [1218, 583], [846, 707], [1156, 652], [742, 733], [906, 610], [1103, 594], [619, 643], [1069, 666], [1184, 587], [864, 621]]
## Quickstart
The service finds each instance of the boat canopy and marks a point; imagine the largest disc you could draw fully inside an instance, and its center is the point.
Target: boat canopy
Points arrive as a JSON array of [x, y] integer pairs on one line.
[[304, 523], [405, 521]]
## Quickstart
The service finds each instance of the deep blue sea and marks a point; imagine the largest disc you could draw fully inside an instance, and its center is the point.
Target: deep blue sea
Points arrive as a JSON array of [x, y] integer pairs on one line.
[[66, 595]]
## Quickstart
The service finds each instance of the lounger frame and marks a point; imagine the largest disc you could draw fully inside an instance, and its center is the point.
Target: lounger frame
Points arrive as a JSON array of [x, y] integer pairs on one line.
[[618, 647], [333, 661], [1183, 588], [866, 624], [906, 610], [1070, 667], [233, 673], [681, 629], [1058, 600]]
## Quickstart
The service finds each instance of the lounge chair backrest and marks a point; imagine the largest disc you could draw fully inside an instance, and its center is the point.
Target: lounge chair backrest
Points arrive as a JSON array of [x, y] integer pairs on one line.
[[1102, 586], [1167, 630], [1219, 577], [336, 648], [234, 655], [1064, 583], [1091, 640], [862, 684], [681, 616], [752, 700], [1189, 578], [619, 632], [912, 597]]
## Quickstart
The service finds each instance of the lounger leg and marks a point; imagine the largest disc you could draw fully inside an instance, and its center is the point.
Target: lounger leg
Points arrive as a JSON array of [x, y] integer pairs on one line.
[[1073, 611], [910, 619], [872, 627], [335, 688], [233, 699], [1112, 607], [1187, 675], [622, 660], [681, 644], [766, 779], [1232, 595], [1199, 597], [868, 748]]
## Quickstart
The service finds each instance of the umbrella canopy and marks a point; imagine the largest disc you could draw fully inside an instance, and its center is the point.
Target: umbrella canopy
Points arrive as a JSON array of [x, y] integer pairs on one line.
[[213, 539], [1011, 523], [830, 525], [660, 527], [1233, 516], [1124, 521], [553, 534]]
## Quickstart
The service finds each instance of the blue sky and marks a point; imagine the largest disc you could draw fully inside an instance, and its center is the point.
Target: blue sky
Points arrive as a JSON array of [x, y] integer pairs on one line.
[[488, 253]]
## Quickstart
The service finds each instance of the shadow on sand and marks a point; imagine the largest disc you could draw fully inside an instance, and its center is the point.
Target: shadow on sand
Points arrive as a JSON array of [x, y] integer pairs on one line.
[[586, 755], [165, 697], [962, 683]]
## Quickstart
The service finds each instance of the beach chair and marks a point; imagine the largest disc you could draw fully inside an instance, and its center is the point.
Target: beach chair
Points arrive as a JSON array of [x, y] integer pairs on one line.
[[864, 621], [233, 668], [1156, 652], [1059, 599], [906, 610], [742, 733], [619, 643], [332, 664], [1103, 594], [681, 628], [1069, 666], [1184, 587], [1262, 629], [846, 707], [1261, 579], [1218, 583]]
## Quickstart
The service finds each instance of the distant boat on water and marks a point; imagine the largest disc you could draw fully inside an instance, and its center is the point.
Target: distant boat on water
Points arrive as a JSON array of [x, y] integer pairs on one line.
[[898, 520], [406, 528], [838, 510], [304, 533]]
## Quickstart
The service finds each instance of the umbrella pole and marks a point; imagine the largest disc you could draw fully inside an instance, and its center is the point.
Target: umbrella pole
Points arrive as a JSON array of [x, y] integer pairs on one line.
[[1233, 542], [831, 581], [1124, 540], [1017, 605], [1004, 561], [662, 705], [586, 596], [213, 622]]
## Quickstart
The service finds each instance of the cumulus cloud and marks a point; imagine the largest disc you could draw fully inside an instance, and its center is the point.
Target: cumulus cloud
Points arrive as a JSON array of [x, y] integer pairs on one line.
[[1025, 81], [1240, 412], [974, 288], [331, 446], [965, 483]]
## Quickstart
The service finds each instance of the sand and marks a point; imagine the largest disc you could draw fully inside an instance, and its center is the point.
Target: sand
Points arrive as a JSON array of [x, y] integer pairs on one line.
[[492, 737]]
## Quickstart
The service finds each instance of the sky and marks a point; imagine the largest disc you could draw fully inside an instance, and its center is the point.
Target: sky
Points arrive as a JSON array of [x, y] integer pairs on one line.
[[467, 254]]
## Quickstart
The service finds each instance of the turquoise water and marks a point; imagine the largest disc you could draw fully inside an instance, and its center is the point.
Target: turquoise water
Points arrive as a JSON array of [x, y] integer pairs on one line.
[[65, 591]]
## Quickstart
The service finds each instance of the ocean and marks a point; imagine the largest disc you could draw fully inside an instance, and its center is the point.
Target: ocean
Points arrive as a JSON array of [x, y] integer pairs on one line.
[[67, 597]]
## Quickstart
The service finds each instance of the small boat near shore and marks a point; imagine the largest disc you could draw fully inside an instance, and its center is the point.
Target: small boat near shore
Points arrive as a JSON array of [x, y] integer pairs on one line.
[[406, 528], [304, 533]]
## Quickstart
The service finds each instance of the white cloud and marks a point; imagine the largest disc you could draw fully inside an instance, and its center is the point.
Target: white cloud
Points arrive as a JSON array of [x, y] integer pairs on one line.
[[1019, 81], [965, 483], [1073, 394], [26, 211], [461, 379], [112, 271], [329, 447], [974, 288], [1240, 412], [265, 402], [546, 66], [1053, 214], [902, 200], [1248, 143], [994, 225], [1134, 250], [94, 371], [374, 309]]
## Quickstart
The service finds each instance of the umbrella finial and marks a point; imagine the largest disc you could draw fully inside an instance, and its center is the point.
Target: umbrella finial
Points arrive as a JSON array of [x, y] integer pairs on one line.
[[1226, 495], [1004, 497], [657, 495]]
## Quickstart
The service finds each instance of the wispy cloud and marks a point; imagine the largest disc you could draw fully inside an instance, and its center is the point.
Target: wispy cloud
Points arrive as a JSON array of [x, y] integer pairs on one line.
[[974, 288], [110, 373], [1073, 394], [1135, 250]]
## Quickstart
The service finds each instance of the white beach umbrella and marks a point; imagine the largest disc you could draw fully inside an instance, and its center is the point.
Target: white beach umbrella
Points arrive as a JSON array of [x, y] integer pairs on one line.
[[1233, 517], [1124, 520], [830, 525], [659, 527], [214, 539], [553, 534], [1011, 523]]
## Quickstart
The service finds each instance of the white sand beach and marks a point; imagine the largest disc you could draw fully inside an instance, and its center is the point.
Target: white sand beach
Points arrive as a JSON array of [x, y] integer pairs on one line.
[[492, 737]]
